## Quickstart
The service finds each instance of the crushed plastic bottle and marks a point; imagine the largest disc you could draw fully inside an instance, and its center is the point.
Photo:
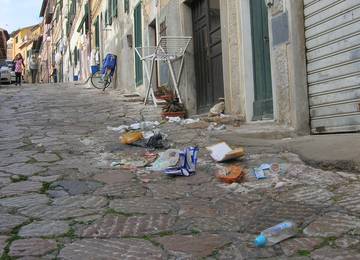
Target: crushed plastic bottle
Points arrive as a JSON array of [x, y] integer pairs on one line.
[[276, 234]]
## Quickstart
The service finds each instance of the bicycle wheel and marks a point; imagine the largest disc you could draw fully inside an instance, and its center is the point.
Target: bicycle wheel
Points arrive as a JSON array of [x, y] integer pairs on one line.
[[97, 80], [107, 79]]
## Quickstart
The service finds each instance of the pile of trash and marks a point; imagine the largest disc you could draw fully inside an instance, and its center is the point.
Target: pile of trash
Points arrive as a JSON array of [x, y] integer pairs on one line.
[[144, 134], [222, 152]]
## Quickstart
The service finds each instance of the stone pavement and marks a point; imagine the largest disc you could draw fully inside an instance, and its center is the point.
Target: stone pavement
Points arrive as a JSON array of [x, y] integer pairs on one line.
[[61, 199]]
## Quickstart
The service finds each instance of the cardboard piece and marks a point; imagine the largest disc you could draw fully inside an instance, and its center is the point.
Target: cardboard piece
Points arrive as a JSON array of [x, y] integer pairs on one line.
[[222, 152]]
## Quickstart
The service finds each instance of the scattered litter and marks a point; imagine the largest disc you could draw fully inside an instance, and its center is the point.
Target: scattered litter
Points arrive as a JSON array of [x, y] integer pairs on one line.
[[274, 168], [145, 180], [166, 159], [216, 127], [259, 173], [121, 129], [150, 156], [265, 166], [130, 138], [114, 164], [232, 174], [144, 125], [175, 119], [148, 134], [222, 152], [217, 109], [130, 163], [280, 185], [152, 140], [276, 234], [278, 168], [186, 164]]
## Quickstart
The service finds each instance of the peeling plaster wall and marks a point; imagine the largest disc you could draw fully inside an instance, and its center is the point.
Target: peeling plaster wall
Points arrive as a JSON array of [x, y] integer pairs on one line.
[[289, 65], [232, 48]]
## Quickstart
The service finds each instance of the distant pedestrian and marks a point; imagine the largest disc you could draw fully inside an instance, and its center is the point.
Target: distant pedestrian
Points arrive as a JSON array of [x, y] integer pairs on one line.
[[19, 67], [33, 68], [54, 73]]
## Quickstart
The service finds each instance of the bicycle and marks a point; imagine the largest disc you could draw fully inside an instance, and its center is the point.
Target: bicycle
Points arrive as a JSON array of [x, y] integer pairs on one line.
[[101, 78]]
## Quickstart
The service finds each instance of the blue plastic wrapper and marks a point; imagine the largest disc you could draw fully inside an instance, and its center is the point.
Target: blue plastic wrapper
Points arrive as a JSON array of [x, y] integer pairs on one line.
[[187, 163]]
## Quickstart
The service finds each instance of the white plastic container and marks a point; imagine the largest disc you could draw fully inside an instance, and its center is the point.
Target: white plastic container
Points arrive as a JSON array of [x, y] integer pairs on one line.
[[276, 234]]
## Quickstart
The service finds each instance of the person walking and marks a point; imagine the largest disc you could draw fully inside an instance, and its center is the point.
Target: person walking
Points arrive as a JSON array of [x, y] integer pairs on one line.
[[19, 66], [33, 68], [54, 73]]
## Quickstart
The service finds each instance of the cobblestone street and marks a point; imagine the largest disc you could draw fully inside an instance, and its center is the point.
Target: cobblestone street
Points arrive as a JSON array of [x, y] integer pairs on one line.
[[61, 198]]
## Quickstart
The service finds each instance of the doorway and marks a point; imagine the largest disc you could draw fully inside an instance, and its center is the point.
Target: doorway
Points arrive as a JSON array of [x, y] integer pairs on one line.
[[208, 53], [263, 98]]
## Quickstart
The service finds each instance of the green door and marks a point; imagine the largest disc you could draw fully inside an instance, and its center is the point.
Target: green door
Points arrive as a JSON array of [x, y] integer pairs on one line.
[[263, 101], [138, 43]]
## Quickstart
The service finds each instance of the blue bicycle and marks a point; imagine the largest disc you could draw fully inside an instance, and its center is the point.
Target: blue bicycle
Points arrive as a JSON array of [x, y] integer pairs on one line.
[[101, 78]]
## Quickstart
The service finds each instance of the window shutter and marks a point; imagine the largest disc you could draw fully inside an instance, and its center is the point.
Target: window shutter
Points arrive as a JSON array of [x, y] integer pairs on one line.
[[97, 33], [126, 6], [138, 43], [109, 9], [75, 56], [106, 17], [115, 8]]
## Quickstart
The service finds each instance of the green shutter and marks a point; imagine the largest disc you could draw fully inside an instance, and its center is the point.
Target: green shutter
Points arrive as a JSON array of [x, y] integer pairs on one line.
[[126, 6], [75, 56], [138, 43], [109, 10], [97, 32], [115, 8]]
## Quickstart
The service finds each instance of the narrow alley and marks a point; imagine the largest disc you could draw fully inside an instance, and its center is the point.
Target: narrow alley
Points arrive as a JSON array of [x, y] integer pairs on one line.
[[62, 197]]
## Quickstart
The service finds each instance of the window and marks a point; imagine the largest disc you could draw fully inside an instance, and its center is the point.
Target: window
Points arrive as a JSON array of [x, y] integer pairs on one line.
[[87, 17], [97, 32], [17, 39], [138, 43], [126, 6], [75, 56], [109, 12], [114, 8], [57, 14]]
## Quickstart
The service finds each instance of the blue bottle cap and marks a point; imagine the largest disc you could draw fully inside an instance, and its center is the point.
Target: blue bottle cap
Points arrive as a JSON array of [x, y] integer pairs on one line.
[[260, 241]]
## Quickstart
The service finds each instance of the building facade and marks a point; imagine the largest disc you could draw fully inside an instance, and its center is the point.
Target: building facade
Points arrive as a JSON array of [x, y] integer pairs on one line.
[[4, 37], [27, 42], [270, 59]]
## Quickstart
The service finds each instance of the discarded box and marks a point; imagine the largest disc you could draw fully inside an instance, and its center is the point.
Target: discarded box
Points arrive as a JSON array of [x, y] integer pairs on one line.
[[222, 152]]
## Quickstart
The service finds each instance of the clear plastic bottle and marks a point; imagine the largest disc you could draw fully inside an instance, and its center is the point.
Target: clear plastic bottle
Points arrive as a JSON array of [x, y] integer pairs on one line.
[[276, 234]]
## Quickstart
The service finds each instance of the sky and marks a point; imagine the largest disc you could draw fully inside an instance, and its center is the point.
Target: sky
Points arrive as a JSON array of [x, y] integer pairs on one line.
[[15, 14]]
